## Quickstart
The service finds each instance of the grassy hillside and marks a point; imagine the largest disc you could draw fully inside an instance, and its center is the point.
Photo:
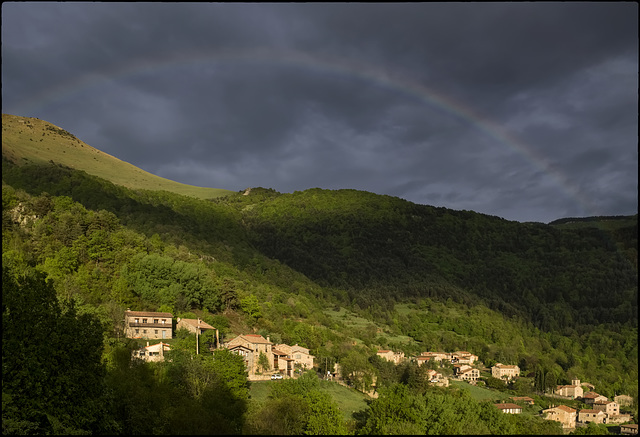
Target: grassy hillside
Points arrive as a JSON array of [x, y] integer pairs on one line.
[[31, 140]]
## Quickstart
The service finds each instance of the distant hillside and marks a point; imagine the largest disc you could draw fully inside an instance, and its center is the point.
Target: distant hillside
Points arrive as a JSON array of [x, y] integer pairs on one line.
[[603, 222], [27, 140]]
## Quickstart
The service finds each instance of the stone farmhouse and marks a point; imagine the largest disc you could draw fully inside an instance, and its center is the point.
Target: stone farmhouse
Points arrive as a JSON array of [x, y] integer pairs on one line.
[[437, 356], [282, 363], [505, 372], [565, 415], [253, 345], [152, 353], [422, 360], [437, 378], [609, 407], [198, 327], [572, 391], [394, 357], [588, 415], [148, 325], [465, 372], [509, 408], [282, 357], [593, 397], [629, 429], [463, 357], [299, 354], [195, 326]]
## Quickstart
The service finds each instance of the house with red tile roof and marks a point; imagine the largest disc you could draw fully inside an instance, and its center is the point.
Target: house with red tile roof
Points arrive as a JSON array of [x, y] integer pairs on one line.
[[572, 391], [509, 408], [148, 324], [505, 371], [389, 355], [591, 397], [589, 415], [609, 407], [526, 399], [565, 415], [257, 344], [629, 429]]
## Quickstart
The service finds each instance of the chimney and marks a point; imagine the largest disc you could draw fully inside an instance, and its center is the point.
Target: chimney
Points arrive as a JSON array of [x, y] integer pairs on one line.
[[147, 344]]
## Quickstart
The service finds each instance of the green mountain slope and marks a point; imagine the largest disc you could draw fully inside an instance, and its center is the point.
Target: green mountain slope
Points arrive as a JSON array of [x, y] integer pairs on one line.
[[342, 272], [28, 140]]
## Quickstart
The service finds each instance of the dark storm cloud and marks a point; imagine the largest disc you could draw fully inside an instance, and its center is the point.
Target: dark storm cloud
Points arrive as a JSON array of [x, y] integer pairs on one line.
[[527, 111]]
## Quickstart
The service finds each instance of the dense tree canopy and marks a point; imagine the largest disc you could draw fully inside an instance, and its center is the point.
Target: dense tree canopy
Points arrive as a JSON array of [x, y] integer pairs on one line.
[[344, 273]]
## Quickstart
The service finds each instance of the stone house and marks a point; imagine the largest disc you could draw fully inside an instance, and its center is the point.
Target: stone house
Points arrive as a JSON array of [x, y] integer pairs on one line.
[[629, 429], [394, 357], [459, 368], [609, 407], [152, 353], [282, 362], [469, 375], [573, 391], [437, 378], [618, 418], [563, 414], [437, 356], [463, 357], [148, 325], [299, 354], [257, 344], [593, 397], [197, 326], [509, 408], [588, 415], [422, 360], [194, 325], [465, 372], [246, 353], [505, 371]]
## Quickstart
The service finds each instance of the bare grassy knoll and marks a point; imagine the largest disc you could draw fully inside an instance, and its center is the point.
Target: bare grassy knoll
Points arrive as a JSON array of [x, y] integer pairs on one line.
[[32, 141]]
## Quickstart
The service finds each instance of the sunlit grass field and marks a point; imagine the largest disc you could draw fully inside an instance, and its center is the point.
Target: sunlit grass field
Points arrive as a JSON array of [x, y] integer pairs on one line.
[[347, 399]]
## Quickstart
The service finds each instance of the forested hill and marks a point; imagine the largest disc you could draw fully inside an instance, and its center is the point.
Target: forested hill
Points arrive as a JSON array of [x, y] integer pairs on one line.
[[383, 248], [376, 248]]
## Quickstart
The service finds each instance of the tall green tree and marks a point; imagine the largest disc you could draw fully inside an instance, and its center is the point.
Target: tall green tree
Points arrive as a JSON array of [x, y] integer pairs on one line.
[[52, 370]]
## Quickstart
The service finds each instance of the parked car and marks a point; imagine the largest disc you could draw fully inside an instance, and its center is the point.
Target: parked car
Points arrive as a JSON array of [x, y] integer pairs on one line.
[[276, 376]]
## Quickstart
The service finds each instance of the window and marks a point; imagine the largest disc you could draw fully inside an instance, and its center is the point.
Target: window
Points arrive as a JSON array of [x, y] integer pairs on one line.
[[144, 320], [155, 320], [144, 331], [137, 331], [137, 320], [156, 332], [163, 320]]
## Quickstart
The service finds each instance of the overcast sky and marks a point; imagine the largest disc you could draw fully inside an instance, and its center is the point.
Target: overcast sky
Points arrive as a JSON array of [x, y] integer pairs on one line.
[[526, 111]]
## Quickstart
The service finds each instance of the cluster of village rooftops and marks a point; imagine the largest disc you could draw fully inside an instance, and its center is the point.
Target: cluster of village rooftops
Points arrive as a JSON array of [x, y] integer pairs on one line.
[[602, 409], [284, 360]]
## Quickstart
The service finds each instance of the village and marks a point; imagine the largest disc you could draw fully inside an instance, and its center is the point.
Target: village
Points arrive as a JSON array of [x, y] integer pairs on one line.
[[265, 360]]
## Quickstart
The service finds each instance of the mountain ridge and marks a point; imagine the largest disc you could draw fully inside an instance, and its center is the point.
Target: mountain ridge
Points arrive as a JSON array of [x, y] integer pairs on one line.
[[31, 140]]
